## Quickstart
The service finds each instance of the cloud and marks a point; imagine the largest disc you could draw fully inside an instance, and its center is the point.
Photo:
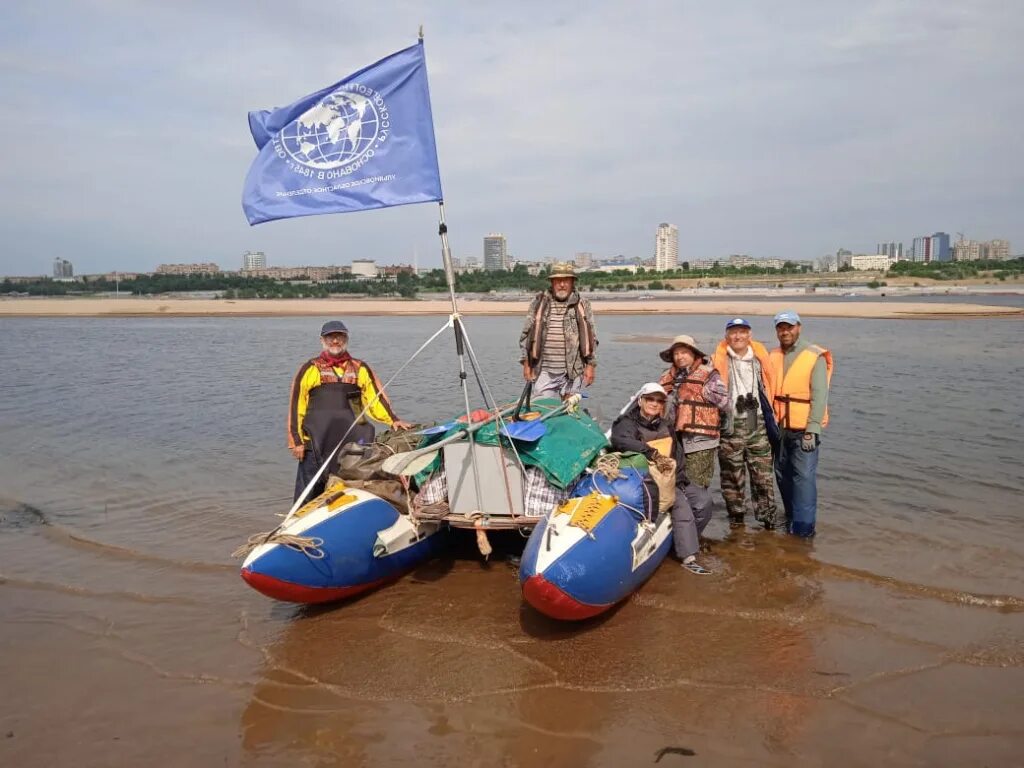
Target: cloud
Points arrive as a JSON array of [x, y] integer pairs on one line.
[[783, 128]]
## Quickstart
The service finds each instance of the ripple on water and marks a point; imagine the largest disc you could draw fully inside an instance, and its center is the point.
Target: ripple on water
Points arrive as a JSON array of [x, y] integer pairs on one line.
[[15, 516]]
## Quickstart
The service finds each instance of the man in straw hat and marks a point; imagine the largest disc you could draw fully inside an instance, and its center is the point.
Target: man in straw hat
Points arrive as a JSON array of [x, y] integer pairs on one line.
[[558, 341], [699, 395]]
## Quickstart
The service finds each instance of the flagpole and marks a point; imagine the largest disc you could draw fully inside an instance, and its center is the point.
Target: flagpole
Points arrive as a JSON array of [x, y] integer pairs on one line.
[[449, 273], [446, 258], [461, 342]]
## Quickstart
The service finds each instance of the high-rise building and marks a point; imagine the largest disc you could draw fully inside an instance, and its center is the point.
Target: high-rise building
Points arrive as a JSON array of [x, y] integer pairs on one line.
[[998, 250], [891, 249], [966, 250], [922, 249], [666, 247], [62, 268], [984, 250], [495, 252], [940, 247], [583, 259], [254, 260]]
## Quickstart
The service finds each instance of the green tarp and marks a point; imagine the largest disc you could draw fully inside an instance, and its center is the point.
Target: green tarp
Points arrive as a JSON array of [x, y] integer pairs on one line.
[[570, 443]]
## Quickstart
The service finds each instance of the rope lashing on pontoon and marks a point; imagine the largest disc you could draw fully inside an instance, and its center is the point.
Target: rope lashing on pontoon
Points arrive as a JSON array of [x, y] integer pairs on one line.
[[608, 467], [307, 545]]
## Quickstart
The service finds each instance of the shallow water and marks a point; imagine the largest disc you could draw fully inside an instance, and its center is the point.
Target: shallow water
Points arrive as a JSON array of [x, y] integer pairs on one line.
[[137, 454]]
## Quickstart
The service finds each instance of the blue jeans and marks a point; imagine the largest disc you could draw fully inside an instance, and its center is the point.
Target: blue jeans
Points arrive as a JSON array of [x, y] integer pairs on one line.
[[795, 472]]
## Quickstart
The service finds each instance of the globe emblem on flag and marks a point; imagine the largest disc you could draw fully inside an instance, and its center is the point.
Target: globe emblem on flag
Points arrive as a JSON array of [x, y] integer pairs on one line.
[[335, 132]]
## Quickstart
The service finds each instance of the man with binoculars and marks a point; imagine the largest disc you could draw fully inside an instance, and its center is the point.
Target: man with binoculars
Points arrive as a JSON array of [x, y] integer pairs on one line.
[[749, 430]]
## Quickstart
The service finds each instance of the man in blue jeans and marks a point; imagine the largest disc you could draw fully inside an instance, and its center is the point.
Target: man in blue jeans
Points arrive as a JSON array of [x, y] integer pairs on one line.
[[802, 374]]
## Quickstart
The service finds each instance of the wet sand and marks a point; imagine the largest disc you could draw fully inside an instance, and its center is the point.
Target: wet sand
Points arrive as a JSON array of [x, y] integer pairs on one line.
[[179, 307], [896, 638], [776, 660]]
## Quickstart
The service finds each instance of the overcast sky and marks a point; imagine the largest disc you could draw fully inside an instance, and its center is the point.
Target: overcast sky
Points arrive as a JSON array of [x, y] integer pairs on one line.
[[779, 129]]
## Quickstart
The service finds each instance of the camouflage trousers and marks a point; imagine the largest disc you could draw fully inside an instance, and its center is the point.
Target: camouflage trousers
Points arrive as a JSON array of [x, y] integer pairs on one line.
[[747, 450]]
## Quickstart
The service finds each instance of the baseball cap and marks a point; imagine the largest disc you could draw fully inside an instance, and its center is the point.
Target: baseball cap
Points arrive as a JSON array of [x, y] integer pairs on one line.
[[651, 388], [737, 322], [333, 326], [787, 316]]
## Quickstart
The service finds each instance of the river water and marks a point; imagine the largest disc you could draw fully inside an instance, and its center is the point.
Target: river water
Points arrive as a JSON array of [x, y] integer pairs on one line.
[[136, 454]]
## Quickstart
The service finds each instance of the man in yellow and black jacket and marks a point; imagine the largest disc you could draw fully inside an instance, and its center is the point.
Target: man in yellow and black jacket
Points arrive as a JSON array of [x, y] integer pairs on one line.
[[320, 409]]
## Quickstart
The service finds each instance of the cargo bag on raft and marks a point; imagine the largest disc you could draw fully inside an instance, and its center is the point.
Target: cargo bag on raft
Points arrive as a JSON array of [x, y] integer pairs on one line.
[[359, 466]]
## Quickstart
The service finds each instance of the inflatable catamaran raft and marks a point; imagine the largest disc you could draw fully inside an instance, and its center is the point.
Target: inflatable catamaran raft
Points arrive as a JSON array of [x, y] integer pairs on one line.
[[591, 543]]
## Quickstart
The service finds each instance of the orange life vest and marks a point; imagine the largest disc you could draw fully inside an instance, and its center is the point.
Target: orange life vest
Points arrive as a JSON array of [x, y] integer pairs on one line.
[[720, 359], [329, 375], [792, 398], [694, 414]]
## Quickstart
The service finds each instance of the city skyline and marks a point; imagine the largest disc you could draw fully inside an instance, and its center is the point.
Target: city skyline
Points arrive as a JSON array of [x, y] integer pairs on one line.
[[762, 130], [496, 244]]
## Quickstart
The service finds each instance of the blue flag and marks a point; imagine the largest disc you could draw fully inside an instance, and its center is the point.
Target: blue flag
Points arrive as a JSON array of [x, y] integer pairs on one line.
[[364, 142]]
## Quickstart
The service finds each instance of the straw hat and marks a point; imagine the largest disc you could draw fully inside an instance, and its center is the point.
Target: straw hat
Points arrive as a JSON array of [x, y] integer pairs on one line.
[[681, 341], [562, 269]]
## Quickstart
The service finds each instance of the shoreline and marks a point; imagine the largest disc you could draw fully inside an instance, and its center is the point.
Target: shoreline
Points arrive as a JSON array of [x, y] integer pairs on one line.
[[187, 307]]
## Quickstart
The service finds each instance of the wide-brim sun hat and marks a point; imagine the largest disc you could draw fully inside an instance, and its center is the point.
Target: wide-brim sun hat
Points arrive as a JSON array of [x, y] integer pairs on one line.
[[682, 341]]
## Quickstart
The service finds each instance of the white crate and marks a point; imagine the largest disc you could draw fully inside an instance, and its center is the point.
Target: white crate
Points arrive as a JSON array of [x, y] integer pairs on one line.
[[462, 498]]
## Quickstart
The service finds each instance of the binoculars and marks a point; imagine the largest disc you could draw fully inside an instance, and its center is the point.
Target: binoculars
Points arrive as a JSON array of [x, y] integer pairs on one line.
[[746, 402]]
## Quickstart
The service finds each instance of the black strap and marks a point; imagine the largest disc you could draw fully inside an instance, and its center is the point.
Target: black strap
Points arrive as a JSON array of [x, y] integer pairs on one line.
[[706, 427], [525, 397], [791, 399], [787, 399]]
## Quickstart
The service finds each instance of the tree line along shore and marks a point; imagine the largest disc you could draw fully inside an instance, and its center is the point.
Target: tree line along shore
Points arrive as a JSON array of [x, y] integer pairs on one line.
[[409, 285]]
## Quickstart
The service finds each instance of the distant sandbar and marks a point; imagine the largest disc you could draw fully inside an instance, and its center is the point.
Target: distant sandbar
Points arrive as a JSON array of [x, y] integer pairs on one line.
[[185, 307]]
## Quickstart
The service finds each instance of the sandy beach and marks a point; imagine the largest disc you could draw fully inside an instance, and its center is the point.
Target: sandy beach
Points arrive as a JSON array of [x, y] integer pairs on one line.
[[894, 639], [185, 307]]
